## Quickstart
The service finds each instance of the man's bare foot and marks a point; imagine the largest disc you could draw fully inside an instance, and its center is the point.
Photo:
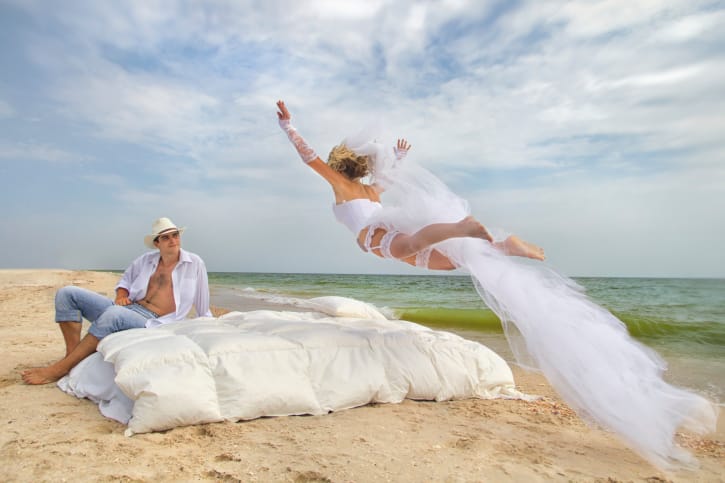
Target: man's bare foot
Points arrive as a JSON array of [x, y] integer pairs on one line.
[[473, 228], [515, 246], [41, 375]]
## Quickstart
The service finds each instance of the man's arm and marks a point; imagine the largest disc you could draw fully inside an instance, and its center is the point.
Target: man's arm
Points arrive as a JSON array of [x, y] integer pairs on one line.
[[123, 287]]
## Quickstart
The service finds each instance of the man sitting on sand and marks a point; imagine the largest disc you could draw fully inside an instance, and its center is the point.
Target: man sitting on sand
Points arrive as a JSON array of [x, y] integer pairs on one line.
[[159, 287]]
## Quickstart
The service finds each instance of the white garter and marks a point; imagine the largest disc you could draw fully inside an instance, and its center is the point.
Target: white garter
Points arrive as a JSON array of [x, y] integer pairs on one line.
[[423, 257], [385, 242], [369, 237]]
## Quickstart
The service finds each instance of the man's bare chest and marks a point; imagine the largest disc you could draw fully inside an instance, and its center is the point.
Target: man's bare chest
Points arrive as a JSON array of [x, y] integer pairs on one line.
[[161, 279]]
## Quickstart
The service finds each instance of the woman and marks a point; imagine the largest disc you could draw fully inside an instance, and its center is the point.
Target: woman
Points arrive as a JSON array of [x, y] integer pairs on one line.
[[583, 350], [357, 203]]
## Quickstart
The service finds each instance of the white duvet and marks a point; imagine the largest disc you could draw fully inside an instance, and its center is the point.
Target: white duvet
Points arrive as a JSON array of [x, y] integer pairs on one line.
[[264, 363]]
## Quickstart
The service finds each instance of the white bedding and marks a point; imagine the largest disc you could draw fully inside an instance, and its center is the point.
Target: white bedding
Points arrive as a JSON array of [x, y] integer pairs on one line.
[[264, 363]]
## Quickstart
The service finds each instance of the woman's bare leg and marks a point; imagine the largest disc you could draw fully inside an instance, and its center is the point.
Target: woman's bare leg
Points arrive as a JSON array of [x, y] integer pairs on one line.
[[403, 246]]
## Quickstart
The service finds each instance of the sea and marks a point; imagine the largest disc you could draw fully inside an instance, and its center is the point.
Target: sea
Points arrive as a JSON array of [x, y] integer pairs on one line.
[[682, 319]]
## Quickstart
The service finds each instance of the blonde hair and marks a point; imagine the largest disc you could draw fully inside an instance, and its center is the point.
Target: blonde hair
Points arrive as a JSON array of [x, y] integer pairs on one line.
[[344, 160]]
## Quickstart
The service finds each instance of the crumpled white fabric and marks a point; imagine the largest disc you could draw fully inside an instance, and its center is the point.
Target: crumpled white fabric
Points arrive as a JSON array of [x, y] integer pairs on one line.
[[93, 378], [267, 363]]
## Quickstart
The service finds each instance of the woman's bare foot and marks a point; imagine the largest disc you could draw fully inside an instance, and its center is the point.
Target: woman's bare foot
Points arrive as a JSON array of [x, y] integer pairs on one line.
[[473, 228], [515, 246], [41, 375]]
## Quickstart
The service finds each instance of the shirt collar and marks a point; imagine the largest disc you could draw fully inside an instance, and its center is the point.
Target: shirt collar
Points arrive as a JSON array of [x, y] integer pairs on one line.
[[184, 257]]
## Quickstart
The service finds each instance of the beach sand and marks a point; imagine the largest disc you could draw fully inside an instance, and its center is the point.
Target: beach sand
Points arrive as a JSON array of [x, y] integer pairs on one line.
[[48, 435]]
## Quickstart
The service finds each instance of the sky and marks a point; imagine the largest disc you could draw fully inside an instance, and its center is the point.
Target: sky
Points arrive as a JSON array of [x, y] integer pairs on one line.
[[595, 129]]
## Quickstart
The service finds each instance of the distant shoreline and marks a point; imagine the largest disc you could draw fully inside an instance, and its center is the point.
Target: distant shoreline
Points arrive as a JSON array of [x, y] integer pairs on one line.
[[436, 274]]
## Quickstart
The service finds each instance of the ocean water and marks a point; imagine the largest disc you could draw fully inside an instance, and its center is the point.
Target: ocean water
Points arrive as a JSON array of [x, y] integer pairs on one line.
[[683, 319]]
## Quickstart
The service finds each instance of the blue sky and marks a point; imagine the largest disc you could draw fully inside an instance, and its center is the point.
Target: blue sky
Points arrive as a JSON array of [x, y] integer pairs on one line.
[[594, 129]]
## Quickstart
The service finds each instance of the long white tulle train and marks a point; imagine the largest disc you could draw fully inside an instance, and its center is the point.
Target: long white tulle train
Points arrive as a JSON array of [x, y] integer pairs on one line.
[[586, 354], [583, 350]]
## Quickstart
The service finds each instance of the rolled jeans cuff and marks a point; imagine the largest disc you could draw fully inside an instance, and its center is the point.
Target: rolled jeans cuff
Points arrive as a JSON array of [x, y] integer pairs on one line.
[[68, 316]]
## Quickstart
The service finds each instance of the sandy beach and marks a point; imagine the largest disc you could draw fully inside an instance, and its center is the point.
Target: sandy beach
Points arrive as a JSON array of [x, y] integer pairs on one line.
[[51, 436]]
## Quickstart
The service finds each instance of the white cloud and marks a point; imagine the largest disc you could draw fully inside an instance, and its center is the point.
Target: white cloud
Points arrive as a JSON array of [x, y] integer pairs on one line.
[[690, 27], [600, 17], [666, 77], [38, 152], [140, 108]]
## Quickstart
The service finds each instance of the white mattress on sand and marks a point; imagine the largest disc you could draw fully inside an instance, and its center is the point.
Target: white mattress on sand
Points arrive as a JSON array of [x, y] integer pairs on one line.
[[245, 365]]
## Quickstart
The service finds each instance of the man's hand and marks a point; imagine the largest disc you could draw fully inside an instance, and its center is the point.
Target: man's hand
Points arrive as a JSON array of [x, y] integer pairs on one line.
[[122, 297]]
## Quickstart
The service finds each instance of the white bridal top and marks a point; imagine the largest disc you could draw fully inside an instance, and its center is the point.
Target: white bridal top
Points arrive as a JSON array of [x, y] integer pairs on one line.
[[355, 214]]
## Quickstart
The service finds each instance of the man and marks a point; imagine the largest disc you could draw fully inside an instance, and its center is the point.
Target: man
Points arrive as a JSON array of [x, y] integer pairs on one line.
[[159, 287]]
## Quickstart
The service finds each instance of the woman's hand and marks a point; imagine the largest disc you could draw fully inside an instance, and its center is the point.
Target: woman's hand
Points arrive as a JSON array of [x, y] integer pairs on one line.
[[401, 149], [283, 114], [403, 145]]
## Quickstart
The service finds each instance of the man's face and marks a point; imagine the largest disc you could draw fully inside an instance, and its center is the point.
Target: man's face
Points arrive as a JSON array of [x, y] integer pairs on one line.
[[169, 242]]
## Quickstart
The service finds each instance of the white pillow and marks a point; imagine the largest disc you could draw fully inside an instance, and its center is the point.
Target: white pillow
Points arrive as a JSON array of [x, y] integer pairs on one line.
[[345, 307], [167, 375]]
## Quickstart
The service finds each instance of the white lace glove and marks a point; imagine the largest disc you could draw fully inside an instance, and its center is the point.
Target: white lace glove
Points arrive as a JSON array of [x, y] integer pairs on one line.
[[400, 153], [305, 151]]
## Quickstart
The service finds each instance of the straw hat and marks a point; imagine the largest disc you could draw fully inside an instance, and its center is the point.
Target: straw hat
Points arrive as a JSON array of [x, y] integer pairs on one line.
[[159, 227]]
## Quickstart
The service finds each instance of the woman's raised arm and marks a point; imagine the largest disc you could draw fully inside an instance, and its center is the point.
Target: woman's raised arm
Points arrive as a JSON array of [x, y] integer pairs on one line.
[[305, 151], [307, 154]]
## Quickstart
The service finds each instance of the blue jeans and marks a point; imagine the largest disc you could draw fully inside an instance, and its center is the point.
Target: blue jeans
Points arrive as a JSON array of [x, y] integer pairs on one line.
[[73, 304]]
